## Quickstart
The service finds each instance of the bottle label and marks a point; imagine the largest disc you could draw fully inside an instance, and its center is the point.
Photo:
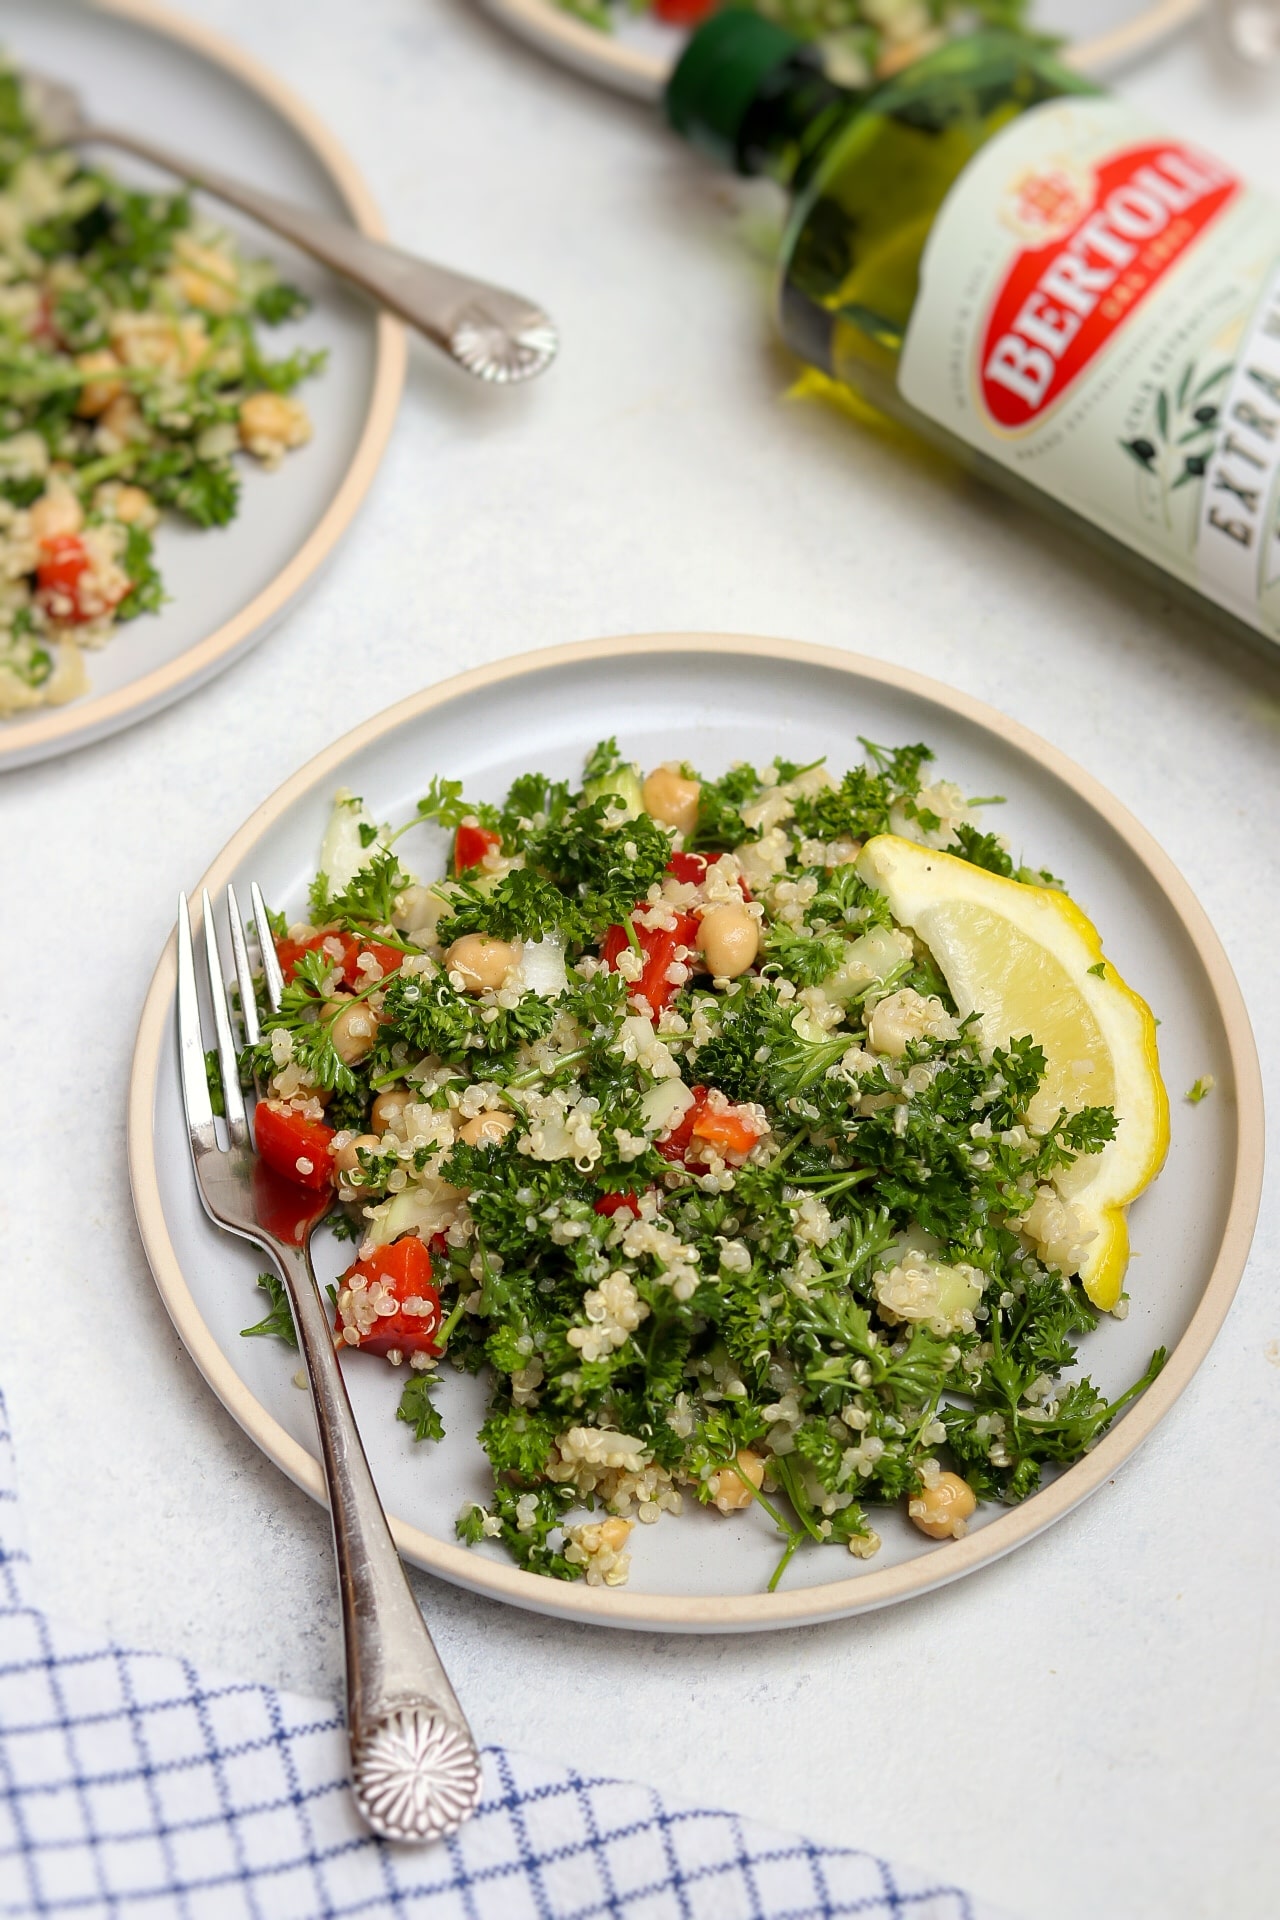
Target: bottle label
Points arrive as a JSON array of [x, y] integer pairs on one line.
[[1099, 311]]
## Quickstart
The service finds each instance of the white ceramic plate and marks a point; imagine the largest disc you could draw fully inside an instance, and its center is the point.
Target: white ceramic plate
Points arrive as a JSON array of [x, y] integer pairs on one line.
[[140, 65], [713, 700], [637, 57]]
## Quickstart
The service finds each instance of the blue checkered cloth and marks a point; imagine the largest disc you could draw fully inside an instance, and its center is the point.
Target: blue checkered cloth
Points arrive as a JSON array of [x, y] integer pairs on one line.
[[136, 1784]]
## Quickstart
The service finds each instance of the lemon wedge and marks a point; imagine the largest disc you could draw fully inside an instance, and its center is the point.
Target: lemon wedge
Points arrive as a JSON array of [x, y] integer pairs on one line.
[[1025, 960]]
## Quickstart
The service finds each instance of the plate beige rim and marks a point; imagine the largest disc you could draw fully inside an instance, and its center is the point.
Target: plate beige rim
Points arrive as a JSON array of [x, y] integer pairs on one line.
[[732, 1612], [633, 70], [23, 740]]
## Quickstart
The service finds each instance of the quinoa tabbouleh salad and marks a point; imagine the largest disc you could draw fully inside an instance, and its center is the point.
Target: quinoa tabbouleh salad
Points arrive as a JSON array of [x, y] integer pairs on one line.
[[661, 1112], [130, 375]]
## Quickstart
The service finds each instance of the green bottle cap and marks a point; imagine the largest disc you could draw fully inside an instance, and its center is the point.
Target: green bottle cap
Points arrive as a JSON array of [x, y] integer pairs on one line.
[[719, 75]]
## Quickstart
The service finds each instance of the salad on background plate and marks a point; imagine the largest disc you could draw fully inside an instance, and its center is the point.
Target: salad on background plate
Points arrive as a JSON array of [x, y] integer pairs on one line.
[[862, 40], [132, 376], [632, 45]]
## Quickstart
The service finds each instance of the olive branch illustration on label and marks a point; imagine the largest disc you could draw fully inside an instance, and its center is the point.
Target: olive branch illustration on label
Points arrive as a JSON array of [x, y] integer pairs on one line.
[[1177, 448]]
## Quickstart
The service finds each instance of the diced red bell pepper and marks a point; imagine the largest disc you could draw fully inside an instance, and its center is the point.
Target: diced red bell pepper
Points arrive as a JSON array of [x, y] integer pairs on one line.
[[283, 1207], [610, 1203], [675, 1144], [404, 1269], [684, 13], [43, 329], [289, 953], [63, 559], [726, 1131], [691, 870], [388, 958], [614, 943], [471, 845], [61, 587], [296, 1148], [710, 1126], [658, 946]]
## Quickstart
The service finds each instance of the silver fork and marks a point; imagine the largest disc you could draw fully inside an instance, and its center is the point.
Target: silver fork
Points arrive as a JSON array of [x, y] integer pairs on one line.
[[415, 1770], [496, 335]]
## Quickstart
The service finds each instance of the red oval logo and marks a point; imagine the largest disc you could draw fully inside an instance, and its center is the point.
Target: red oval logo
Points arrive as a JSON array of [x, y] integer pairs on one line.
[[1062, 301]]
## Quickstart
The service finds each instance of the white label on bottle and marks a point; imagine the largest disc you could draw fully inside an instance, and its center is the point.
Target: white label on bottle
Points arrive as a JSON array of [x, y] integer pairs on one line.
[[1099, 311]]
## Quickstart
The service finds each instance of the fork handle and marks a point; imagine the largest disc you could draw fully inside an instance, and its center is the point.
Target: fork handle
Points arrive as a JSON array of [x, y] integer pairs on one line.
[[415, 1766], [432, 298]]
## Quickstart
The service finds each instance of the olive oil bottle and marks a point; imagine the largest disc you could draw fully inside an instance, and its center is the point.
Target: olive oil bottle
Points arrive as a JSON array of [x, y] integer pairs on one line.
[[1020, 267]]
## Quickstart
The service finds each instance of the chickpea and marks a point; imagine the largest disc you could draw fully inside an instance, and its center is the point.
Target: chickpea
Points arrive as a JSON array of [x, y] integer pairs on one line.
[[122, 421], [728, 940], [55, 513], [270, 422], [604, 1536], [487, 1129], [614, 1533], [347, 1159], [156, 340], [354, 1029], [388, 1109], [96, 395], [193, 344], [728, 1492], [480, 961], [203, 290], [671, 799], [942, 1509], [131, 506], [205, 277]]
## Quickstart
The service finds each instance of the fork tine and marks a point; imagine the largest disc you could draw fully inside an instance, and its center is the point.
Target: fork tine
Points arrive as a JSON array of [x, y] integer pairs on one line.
[[195, 1082], [233, 1099], [267, 948], [244, 972]]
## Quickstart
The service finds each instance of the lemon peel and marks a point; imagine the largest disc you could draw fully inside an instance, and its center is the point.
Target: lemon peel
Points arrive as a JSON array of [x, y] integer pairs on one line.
[[1025, 959]]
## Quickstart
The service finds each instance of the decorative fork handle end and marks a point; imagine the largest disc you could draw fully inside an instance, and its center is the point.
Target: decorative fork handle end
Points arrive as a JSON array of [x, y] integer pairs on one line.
[[415, 1774], [502, 351]]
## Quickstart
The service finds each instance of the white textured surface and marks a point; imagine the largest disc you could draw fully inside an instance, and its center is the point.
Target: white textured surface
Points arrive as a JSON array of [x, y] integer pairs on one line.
[[1088, 1727]]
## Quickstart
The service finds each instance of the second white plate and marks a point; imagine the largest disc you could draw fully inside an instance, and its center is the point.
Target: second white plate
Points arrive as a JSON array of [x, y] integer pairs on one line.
[[713, 700]]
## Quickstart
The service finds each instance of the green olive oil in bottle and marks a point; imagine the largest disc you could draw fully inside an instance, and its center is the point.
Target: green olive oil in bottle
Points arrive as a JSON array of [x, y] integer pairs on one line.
[[1023, 270]]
